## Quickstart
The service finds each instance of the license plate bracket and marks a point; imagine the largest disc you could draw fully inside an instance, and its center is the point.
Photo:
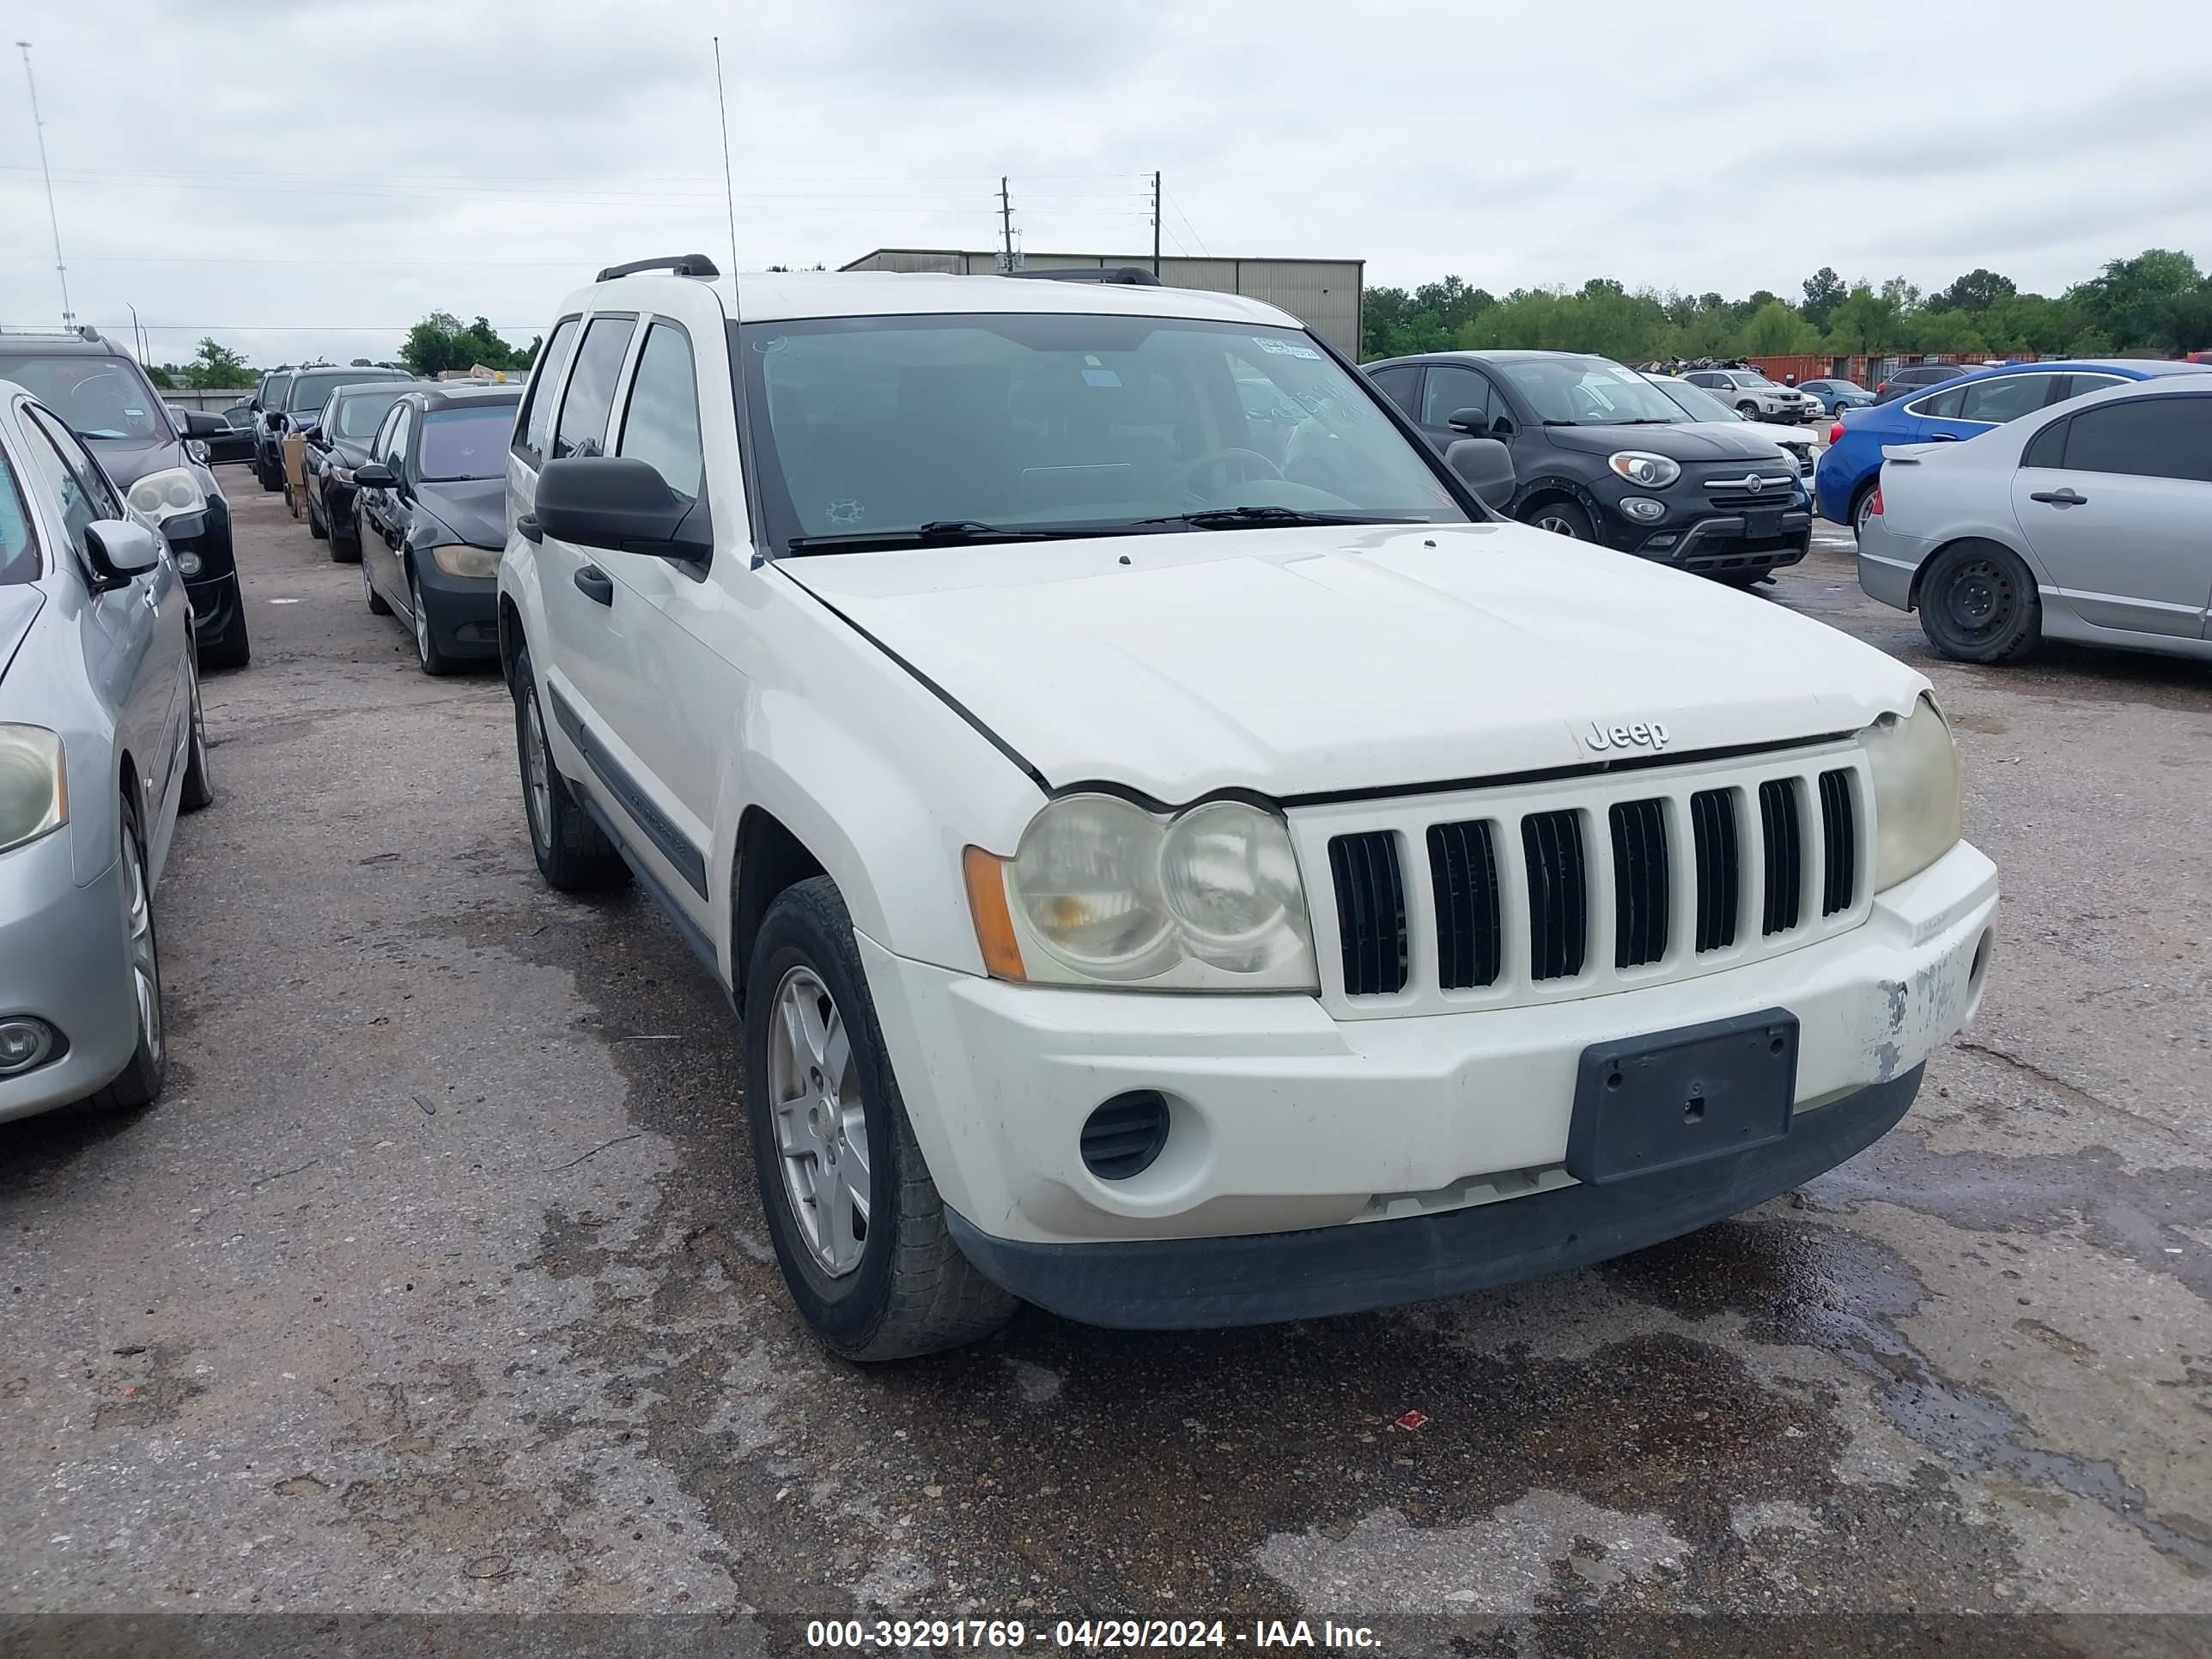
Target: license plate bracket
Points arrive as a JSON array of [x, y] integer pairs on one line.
[[1762, 524], [1645, 1104]]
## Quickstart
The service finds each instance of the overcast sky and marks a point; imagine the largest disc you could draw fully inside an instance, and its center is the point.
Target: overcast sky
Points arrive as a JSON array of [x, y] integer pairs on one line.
[[306, 179]]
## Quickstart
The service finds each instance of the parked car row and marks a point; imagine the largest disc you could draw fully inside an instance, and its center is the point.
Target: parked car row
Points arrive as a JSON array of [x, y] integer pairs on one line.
[[1006, 691]]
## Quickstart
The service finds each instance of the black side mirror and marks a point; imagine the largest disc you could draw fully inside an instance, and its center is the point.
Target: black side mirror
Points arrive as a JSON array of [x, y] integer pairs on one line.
[[273, 419], [314, 434], [373, 475], [622, 503], [199, 424], [1473, 421], [1485, 467]]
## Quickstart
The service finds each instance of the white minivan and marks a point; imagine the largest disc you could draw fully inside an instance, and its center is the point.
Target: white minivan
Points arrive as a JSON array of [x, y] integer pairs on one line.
[[1181, 859]]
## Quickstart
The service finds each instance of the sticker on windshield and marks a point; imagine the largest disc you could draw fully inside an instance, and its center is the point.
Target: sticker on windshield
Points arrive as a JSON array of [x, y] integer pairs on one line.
[[1101, 377], [1627, 375], [1285, 348], [847, 512]]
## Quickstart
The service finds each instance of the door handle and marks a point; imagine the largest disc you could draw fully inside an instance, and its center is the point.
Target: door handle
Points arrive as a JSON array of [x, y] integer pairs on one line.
[[2065, 497], [531, 531], [594, 584], [1944, 438]]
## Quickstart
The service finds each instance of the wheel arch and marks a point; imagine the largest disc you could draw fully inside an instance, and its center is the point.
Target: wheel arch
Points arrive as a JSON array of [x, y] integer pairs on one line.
[[1972, 539], [768, 860]]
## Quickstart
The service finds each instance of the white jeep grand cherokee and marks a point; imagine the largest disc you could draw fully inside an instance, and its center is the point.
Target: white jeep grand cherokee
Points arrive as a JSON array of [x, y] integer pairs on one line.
[[1181, 859]]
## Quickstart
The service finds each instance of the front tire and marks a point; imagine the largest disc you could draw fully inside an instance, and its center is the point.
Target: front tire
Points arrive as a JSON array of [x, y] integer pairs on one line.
[[1749, 411], [1978, 603], [271, 481], [316, 527], [573, 854], [140, 1081], [197, 790], [856, 1221], [231, 649], [1564, 518], [434, 660]]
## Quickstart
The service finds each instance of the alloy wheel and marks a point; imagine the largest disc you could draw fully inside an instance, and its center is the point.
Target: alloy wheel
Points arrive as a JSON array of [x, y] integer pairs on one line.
[[421, 619], [1556, 524], [821, 1122], [145, 956], [538, 777]]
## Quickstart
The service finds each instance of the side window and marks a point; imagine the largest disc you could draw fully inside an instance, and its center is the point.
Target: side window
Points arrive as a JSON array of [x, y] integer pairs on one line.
[[661, 425], [2080, 386], [536, 424], [2147, 437], [19, 543], [105, 502], [1450, 389], [1943, 406], [582, 429], [2007, 398], [392, 452], [61, 483], [1397, 384], [2047, 448]]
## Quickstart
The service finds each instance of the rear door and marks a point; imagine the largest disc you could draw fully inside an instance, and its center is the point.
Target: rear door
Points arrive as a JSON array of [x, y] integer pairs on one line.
[[2116, 502]]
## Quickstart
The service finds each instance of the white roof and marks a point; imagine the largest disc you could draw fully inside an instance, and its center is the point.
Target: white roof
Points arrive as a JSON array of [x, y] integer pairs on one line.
[[779, 295]]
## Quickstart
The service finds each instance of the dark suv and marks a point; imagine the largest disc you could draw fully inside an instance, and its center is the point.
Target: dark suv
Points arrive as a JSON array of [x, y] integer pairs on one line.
[[1602, 454], [1917, 377], [156, 456], [294, 407]]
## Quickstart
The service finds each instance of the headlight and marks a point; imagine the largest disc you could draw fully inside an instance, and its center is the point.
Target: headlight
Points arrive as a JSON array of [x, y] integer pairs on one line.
[[1103, 893], [460, 559], [33, 785], [1652, 472], [1915, 767], [170, 494]]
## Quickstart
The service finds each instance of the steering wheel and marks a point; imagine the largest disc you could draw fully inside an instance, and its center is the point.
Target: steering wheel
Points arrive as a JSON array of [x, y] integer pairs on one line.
[[1250, 464]]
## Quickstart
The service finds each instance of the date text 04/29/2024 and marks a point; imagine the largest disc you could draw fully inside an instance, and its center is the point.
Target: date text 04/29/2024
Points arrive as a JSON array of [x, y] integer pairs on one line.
[[1011, 1635]]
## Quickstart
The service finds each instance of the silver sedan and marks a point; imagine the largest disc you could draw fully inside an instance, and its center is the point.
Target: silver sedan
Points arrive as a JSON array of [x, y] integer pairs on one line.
[[100, 744], [2090, 520]]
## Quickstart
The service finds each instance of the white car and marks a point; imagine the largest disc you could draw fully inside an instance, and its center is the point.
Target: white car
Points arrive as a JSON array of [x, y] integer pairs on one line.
[[1184, 866], [1754, 397], [1699, 404]]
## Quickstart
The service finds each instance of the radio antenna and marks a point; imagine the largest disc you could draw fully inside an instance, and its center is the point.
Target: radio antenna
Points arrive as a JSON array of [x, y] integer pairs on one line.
[[39, 126], [748, 454]]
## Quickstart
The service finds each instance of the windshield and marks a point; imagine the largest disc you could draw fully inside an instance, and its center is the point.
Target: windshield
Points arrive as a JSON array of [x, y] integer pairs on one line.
[[1696, 402], [1843, 386], [1089, 423], [1586, 391], [467, 443], [98, 397], [358, 414], [312, 391]]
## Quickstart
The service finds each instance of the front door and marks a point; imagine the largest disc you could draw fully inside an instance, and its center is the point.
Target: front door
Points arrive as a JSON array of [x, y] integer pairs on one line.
[[2122, 523]]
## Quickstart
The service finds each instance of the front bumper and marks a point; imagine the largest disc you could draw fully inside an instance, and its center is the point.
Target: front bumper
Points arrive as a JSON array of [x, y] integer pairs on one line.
[[1283, 1119], [1201, 1284], [63, 960], [1724, 544], [463, 611]]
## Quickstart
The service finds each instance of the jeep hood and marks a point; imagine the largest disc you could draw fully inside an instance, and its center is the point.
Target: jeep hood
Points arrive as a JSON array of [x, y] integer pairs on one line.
[[1304, 661], [19, 605]]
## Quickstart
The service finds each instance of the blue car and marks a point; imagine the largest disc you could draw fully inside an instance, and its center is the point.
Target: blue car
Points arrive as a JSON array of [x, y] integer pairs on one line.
[[1836, 396], [1844, 483]]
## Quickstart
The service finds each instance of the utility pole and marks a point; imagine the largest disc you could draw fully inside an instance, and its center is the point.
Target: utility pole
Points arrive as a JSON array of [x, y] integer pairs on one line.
[[39, 126], [1006, 220], [1156, 226]]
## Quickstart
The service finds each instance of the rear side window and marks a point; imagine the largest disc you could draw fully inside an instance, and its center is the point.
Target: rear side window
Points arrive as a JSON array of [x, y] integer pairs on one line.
[[2007, 398], [2148, 438], [583, 430], [661, 426], [536, 424], [2048, 447], [1943, 406]]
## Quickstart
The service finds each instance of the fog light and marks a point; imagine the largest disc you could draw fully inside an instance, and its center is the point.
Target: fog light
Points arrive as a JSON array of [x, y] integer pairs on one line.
[[1124, 1135], [24, 1043], [190, 564], [1646, 509], [1667, 540]]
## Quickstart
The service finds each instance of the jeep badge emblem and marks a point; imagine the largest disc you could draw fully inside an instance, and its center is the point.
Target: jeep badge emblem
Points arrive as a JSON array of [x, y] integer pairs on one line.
[[1644, 734]]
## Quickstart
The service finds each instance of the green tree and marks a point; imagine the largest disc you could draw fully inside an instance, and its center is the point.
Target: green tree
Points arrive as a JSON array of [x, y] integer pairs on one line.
[[215, 367], [1977, 290], [441, 341], [1866, 321], [1824, 292], [1776, 330], [2131, 302], [163, 376]]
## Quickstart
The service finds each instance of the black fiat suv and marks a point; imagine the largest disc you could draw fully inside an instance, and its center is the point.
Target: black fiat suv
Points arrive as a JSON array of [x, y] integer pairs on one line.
[[157, 457], [1602, 454]]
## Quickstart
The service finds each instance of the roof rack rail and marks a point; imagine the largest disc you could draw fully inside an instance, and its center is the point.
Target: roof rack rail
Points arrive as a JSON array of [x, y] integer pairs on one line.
[[677, 265], [1133, 275]]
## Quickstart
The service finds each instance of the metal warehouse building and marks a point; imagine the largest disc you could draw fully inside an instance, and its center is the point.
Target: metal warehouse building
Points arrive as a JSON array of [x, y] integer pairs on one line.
[[1322, 294]]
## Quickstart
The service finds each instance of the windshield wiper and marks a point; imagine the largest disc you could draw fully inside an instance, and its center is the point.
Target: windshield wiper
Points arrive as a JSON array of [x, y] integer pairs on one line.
[[943, 532], [1245, 517]]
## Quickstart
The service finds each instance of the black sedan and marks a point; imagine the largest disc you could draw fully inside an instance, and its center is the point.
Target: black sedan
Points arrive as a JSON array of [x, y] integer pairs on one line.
[[430, 516], [337, 444]]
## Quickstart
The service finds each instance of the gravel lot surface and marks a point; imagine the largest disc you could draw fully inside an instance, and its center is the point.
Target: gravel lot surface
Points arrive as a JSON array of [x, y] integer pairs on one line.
[[436, 1283]]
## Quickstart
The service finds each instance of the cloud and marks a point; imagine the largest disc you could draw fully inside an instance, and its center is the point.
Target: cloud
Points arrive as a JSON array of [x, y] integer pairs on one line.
[[310, 180]]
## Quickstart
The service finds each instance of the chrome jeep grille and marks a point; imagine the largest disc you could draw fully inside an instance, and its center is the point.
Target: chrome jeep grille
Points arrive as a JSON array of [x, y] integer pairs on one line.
[[1579, 886]]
